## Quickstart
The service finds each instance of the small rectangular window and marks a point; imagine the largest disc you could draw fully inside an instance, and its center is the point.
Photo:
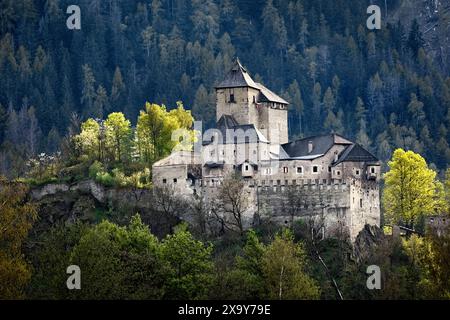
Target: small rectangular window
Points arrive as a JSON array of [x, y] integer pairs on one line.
[[246, 168], [175, 180], [372, 170], [315, 169], [357, 172], [232, 98], [299, 170], [285, 170], [360, 203], [164, 181]]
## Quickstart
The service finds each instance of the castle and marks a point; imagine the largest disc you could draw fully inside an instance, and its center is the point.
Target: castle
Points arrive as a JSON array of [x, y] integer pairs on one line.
[[328, 179]]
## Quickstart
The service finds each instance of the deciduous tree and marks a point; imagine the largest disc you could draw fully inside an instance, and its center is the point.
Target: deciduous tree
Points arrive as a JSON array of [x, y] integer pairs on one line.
[[410, 191], [17, 215]]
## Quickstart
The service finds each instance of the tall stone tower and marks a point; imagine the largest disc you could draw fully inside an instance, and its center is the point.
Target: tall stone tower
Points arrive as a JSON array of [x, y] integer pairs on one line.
[[252, 103]]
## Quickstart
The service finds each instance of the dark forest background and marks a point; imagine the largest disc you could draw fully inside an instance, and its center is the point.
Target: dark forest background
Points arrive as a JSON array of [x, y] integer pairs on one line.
[[385, 89]]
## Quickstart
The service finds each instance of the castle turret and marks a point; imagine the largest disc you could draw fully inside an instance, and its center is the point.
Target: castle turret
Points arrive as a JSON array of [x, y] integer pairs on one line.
[[252, 103]]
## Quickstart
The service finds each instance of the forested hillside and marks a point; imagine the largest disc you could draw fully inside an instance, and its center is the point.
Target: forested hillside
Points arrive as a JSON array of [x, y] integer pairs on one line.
[[385, 89]]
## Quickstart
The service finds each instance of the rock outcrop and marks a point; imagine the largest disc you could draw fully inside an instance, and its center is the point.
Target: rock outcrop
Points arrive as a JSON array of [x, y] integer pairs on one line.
[[90, 201], [367, 241]]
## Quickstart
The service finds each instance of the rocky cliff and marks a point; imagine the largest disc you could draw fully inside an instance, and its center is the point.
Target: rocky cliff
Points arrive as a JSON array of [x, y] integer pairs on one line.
[[92, 202]]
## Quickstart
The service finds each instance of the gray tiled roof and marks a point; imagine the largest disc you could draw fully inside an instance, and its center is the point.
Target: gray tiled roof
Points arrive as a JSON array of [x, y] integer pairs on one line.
[[321, 145], [227, 121], [230, 129], [356, 153], [268, 96], [237, 77]]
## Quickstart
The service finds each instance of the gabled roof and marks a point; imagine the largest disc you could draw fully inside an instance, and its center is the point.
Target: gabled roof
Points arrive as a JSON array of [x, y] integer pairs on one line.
[[321, 145], [356, 153], [269, 96], [227, 125], [227, 121], [237, 77]]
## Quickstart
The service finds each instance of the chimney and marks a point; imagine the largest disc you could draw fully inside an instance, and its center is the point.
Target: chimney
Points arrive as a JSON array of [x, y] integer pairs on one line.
[[310, 146]]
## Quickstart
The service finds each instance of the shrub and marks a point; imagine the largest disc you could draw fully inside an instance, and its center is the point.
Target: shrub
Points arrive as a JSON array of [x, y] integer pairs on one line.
[[105, 179], [95, 168]]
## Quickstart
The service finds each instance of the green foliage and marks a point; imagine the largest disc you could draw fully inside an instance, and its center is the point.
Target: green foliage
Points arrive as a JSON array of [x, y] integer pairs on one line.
[[118, 136], [16, 219], [156, 129], [121, 263], [275, 271], [115, 158], [50, 258], [88, 140], [411, 189], [116, 262], [447, 191], [283, 265], [95, 169], [190, 272], [430, 255], [105, 179]]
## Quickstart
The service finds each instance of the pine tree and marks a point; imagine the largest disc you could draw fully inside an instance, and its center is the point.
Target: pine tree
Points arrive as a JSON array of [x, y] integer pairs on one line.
[[118, 86], [40, 60], [3, 123], [33, 136], [12, 132], [202, 108], [88, 92], [296, 99], [415, 40], [53, 141], [100, 106], [415, 108]]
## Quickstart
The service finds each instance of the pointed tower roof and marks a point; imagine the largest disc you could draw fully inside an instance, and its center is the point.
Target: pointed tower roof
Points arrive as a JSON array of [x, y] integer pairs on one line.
[[237, 77]]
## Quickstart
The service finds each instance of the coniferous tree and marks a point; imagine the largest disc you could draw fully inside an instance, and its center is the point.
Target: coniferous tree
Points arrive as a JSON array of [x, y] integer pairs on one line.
[[88, 91], [415, 40]]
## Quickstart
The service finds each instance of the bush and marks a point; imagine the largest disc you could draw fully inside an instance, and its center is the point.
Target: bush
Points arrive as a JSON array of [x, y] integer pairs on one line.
[[95, 168], [105, 179], [141, 179], [120, 179]]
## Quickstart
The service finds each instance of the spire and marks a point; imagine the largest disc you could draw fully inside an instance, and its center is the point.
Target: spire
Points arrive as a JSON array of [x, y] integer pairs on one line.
[[237, 77]]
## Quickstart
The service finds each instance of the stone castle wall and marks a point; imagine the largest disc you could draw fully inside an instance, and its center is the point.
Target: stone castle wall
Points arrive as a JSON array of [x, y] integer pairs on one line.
[[326, 206], [271, 121], [336, 209], [240, 108]]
